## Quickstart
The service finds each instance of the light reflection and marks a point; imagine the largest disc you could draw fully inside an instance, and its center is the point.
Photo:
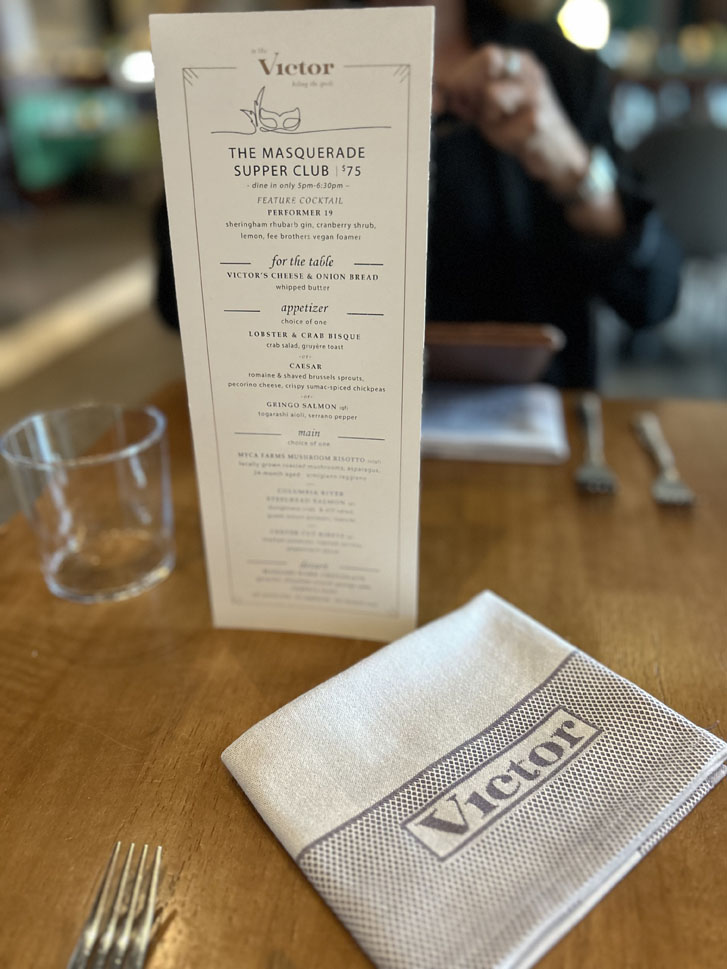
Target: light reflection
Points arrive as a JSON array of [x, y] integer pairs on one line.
[[634, 113], [674, 100], [137, 68], [586, 23], [697, 45], [715, 97]]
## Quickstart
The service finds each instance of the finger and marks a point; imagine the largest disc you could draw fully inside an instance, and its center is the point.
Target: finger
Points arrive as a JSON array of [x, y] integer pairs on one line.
[[491, 59], [502, 62], [494, 82], [512, 133], [513, 63], [465, 103], [487, 65], [505, 98]]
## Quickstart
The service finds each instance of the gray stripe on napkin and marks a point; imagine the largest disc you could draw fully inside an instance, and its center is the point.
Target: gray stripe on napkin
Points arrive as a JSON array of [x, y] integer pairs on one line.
[[508, 883]]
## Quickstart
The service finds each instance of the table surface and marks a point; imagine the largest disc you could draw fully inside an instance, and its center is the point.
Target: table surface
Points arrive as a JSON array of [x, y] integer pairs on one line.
[[113, 716]]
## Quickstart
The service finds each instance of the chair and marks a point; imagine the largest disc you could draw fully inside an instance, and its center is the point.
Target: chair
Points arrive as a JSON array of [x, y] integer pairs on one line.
[[684, 167]]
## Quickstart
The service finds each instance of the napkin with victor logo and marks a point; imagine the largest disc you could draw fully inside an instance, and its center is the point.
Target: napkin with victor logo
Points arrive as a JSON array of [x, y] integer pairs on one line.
[[466, 794]]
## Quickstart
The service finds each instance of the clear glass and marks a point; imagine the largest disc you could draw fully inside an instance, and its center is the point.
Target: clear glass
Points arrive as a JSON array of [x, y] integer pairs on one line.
[[93, 480]]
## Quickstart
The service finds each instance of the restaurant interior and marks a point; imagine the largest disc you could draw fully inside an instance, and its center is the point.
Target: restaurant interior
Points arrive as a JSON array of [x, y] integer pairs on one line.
[[80, 174], [607, 593]]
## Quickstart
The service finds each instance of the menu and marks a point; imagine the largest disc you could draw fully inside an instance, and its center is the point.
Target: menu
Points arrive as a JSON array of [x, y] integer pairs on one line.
[[295, 148]]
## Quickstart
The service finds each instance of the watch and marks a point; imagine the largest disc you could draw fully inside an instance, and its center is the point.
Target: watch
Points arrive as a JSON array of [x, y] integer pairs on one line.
[[599, 179]]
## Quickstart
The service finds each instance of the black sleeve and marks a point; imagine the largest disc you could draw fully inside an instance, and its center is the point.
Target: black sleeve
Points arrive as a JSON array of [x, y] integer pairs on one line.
[[637, 275], [165, 293]]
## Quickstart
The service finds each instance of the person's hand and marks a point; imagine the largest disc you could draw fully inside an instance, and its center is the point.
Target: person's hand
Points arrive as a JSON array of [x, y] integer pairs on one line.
[[506, 93]]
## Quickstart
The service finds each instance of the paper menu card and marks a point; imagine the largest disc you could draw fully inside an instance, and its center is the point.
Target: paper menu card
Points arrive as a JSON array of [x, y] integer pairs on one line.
[[295, 148]]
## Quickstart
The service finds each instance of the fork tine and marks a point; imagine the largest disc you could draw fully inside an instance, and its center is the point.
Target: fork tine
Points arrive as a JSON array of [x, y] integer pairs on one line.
[[90, 931], [140, 940], [668, 487], [122, 940], [105, 942], [593, 476], [115, 933]]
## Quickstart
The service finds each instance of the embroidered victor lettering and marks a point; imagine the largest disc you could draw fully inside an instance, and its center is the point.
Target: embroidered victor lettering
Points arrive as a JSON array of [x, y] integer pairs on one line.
[[445, 824], [487, 793]]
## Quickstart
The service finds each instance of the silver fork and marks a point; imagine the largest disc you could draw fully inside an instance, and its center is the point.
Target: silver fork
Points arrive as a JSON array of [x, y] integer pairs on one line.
[[594, 476], [120, 930], [668, 487]]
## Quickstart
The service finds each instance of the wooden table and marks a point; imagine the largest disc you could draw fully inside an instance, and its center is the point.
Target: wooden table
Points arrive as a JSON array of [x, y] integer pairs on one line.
[[113, 716]]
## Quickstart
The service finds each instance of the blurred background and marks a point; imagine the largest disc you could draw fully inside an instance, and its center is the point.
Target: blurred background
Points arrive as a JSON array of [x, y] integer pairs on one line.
[[80, 172]]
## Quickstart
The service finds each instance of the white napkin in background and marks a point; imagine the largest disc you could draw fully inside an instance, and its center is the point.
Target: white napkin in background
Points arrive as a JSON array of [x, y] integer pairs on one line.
[[464, 795], [522, 424]]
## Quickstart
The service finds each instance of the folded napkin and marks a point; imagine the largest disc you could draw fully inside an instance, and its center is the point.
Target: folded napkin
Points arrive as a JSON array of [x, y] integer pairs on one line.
[[464, 795], [521, 424]]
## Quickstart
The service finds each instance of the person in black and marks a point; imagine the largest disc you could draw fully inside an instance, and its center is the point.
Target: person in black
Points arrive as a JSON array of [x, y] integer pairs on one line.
[[533, 212]]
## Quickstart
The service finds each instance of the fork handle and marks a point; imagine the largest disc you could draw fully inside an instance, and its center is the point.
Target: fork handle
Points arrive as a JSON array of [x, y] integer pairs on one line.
[[590, 407], [652, 437]]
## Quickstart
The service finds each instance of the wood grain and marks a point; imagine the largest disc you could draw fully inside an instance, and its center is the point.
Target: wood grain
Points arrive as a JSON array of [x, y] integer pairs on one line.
[[113, 716]]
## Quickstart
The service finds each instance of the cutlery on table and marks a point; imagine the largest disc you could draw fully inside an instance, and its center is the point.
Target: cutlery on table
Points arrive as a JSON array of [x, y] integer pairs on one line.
[[668, 487], [594, 476], [118, 930]]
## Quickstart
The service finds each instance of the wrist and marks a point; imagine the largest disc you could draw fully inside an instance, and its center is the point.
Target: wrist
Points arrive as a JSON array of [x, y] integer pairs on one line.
[[565, 181], [595, 182]]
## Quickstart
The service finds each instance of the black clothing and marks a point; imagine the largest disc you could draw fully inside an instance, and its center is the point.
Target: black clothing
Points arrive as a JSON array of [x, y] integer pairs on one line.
[[499, 245]]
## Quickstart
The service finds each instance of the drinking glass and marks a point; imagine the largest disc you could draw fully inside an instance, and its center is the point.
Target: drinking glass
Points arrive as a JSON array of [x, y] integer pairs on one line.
[[93, 480]]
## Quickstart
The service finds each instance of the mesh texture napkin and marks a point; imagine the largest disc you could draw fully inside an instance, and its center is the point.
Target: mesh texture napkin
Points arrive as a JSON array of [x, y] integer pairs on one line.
[[464, 795]]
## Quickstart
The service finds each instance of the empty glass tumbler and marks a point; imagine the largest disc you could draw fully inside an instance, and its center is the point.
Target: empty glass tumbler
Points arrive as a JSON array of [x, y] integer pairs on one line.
[[93, 480]]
